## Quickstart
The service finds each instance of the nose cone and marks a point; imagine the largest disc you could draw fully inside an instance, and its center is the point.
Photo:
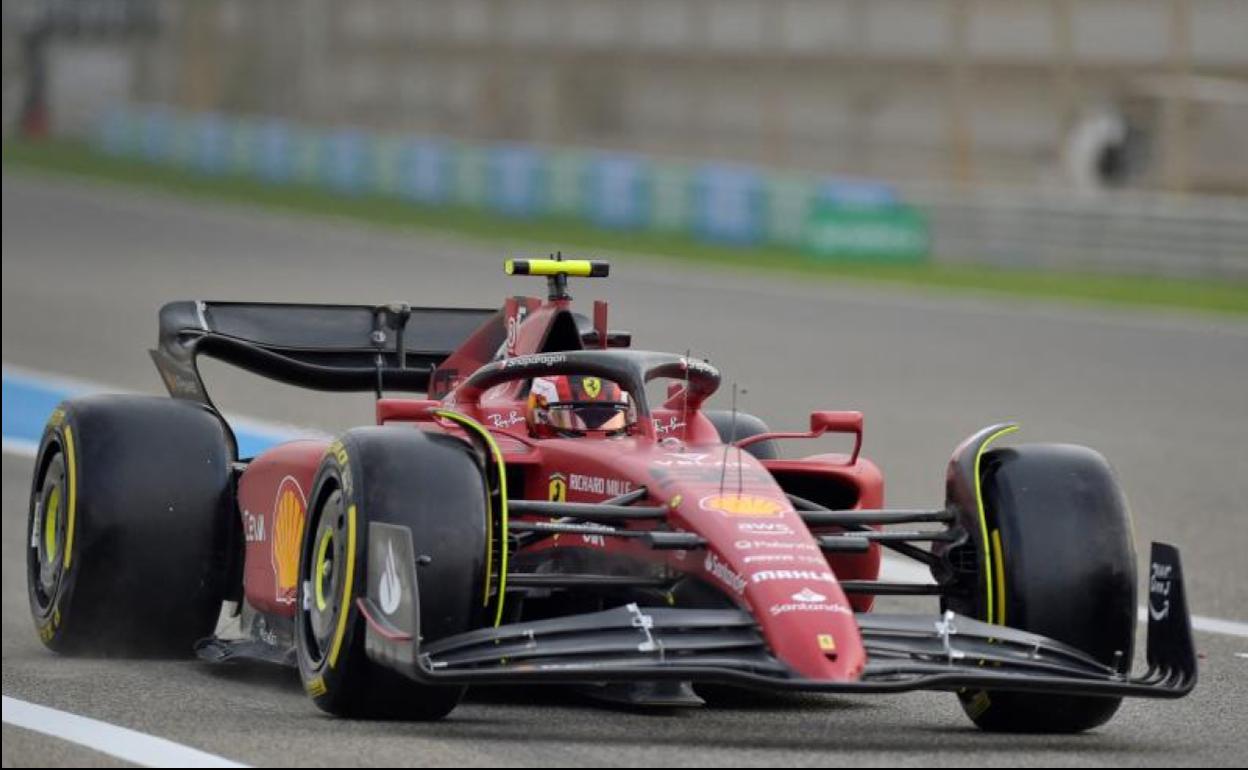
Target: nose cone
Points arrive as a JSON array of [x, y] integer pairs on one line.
[[786, 583], [760, 553]]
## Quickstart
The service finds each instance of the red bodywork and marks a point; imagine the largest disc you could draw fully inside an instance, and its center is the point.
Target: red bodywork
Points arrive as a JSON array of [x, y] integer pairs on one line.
[[760, 554]]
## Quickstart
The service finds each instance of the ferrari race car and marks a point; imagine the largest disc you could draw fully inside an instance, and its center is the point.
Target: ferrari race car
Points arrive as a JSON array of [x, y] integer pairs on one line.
[[563, 508]]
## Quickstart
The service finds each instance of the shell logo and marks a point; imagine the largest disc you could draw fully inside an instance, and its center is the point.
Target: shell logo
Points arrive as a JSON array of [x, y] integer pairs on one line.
[[289, 511], [739, 504]]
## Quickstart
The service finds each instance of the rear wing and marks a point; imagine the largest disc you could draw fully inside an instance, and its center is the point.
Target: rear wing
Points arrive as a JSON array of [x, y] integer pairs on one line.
[[321, 347]]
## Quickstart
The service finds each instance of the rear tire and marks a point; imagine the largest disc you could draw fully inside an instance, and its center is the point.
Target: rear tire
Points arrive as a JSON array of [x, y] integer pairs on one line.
[[433, 485], [128, 527], [746, 425], [1059, 524]]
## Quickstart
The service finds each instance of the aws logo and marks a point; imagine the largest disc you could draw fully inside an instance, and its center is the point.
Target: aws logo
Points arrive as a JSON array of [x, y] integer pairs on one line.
[[289, 511]]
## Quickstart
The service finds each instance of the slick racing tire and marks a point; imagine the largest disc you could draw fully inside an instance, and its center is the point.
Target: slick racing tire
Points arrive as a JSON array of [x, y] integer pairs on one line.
[[1064, 567], [433, 486], [746, 425], [129, 525]]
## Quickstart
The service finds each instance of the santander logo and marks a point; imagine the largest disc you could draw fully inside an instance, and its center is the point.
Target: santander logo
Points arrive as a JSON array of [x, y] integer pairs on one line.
[[809, 600]]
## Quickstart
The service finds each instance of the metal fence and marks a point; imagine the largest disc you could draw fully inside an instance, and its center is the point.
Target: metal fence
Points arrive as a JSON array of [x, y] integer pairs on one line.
[[1124, 233]]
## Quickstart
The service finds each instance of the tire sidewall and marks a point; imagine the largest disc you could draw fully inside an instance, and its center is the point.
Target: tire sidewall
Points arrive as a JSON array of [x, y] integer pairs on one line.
[[148, 508], [1063, 528], [323, 679], [50, 621], [350, 683]]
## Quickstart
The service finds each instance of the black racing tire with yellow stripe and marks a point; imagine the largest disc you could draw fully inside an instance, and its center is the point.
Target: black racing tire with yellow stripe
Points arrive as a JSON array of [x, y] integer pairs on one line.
[[129, 526], [432, 484], [1063, 567]]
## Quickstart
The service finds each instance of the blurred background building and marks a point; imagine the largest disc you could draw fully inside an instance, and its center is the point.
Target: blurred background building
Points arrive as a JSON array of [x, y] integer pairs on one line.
[[1090, 135], [1089, 93]]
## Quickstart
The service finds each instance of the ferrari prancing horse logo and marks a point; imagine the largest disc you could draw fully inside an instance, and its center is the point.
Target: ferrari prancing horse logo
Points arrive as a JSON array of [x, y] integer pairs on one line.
[[557, 492], [592, 386]]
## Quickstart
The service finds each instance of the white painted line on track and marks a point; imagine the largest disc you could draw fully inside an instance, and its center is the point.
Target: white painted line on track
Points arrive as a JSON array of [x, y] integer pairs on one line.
[[37, 378], [121, 742], [1210, 625], [20, 447], [900, 571], [892, 568]]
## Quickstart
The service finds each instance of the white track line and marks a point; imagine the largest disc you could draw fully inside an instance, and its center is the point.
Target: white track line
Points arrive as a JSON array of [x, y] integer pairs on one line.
[[892, 569], [121, 742], [910, 572], [1210, 625], [20, 447]]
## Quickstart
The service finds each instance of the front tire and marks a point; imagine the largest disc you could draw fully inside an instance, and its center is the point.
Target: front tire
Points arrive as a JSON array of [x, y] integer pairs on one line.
[[433, 485], [1060, 533], [128, 526]]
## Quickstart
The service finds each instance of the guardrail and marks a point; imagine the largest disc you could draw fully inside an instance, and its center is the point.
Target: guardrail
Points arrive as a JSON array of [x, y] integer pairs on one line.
[[1140, 234], [828, 217]]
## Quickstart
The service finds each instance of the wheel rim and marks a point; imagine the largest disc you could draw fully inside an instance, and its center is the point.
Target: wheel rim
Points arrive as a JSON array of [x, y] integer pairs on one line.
[[51, 515], [323, 568], [322, 577], [47, 535]]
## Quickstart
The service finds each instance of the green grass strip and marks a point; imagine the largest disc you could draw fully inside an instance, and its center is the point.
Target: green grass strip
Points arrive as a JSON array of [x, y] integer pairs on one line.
[[572, 235]]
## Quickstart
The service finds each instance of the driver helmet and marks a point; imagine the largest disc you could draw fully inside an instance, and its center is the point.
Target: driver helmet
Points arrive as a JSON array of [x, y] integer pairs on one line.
[[575, 405]]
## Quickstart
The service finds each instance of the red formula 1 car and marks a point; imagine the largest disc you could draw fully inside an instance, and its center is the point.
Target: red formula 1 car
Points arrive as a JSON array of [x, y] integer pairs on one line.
[[562, 508]]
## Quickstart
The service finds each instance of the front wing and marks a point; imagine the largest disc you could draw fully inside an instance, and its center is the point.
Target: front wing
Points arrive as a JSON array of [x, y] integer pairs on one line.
[[904, 652]]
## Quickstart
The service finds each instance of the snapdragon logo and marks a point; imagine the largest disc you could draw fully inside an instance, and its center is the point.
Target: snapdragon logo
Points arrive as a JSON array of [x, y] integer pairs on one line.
[[537, 359], [724, 573]]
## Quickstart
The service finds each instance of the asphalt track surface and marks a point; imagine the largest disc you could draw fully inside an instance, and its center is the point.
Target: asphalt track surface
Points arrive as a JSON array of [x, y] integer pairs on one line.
[[1164, 397]]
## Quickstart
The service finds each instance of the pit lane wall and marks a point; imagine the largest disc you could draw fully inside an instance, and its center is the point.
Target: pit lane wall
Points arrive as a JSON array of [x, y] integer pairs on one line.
[[830, 218]]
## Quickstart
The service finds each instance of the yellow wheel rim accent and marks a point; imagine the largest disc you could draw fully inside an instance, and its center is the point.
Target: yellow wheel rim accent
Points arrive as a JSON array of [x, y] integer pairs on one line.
[[322, 554], [72, 473], [50, 515], [347, 580]]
